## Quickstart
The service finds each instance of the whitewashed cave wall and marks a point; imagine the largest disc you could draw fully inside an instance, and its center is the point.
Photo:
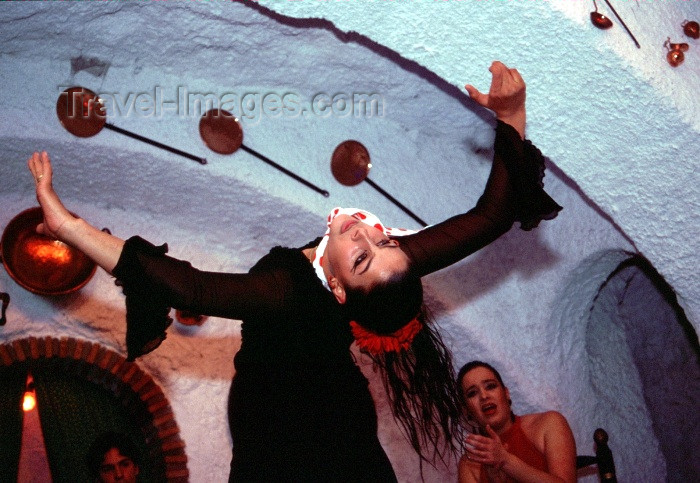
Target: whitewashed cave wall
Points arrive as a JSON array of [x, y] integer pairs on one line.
[[619, 127]]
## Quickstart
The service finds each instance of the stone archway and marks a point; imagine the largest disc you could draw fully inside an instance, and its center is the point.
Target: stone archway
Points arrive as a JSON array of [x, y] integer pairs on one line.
[[639, 333], [128, 383]]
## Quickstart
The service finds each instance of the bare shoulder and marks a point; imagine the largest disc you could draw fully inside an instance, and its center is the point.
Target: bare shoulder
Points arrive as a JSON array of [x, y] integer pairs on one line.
[[545, 418], [536, 426]]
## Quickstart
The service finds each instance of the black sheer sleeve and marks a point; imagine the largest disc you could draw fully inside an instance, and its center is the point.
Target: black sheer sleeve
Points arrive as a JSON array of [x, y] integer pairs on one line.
[[514, 192], [154, 282]]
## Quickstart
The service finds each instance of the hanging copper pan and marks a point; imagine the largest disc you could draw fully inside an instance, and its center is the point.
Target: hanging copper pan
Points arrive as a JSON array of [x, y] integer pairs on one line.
[[221, 131], [39, 263], [223, 134], [350, 165], [82, 113]]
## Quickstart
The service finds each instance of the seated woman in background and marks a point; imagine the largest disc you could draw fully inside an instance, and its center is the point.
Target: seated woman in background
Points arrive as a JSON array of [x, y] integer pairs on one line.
[[536, 447]]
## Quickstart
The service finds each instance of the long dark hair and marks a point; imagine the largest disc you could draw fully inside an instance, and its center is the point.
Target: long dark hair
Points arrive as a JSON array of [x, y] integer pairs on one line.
[[420, 381]]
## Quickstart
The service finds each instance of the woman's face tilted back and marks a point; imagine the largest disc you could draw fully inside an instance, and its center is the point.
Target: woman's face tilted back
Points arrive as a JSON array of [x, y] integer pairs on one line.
[[486, 399], [359, 255]]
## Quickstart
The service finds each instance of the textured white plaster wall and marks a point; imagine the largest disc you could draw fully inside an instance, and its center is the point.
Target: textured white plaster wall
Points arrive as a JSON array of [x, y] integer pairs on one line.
[[522, 303], [618, 120]]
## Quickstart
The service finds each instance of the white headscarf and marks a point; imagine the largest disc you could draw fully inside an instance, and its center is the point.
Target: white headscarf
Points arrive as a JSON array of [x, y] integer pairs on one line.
[[364, 217]]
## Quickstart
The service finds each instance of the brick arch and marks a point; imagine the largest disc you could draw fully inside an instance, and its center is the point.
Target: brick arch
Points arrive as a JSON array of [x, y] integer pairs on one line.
[[129, 384]]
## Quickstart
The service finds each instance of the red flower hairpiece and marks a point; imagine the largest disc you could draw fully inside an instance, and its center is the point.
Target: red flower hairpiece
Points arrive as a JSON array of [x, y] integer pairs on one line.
[[376, 344]]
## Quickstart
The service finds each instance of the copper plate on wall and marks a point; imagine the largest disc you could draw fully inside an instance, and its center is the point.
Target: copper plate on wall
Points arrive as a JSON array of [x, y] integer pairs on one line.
[[350, 163], [221, 131], [81, 112], [39, 263]]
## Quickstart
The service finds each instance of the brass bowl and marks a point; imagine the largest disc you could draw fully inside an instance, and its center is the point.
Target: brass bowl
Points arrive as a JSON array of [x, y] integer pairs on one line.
[[41, 264]]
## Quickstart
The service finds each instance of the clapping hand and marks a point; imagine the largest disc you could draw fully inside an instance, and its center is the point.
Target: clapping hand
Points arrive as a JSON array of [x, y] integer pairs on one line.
[[487, 450]]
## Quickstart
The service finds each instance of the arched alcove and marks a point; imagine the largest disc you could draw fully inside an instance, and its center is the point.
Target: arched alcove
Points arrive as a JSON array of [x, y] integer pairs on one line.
[[639, 337], [97, 368]]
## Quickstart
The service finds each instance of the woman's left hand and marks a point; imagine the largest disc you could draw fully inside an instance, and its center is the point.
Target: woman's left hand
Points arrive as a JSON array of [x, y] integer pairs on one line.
[[487, 450], [506, 96]]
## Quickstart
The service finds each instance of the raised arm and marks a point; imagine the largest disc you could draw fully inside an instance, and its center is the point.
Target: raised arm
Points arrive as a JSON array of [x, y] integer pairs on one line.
[[506, 96], [152, 281], [513, 191], [145, 269], [104, 249]]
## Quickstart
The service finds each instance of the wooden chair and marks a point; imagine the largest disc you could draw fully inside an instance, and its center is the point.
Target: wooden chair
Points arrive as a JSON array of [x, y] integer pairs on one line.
[[603, 458]]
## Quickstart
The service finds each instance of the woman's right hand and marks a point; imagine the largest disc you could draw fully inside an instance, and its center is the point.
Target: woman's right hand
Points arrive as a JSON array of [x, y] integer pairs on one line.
[[55, 214], [487, 450], [103, 248]]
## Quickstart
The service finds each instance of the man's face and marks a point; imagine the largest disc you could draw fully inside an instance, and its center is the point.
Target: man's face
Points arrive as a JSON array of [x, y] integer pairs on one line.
[[117, 467]]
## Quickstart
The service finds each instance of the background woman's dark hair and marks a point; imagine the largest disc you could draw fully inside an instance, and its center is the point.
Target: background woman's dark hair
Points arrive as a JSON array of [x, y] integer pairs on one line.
[[474, 364], [105, 442], [420, 381]]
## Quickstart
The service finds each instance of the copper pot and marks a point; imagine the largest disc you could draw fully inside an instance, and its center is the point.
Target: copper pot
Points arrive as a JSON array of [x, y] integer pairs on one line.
[[40, 263]]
